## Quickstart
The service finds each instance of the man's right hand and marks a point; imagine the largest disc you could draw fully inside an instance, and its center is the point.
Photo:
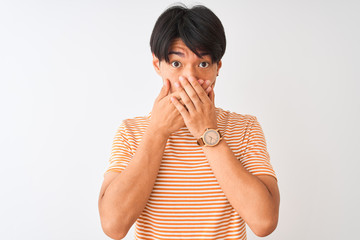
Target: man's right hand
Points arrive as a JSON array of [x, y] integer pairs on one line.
[[165, 119]]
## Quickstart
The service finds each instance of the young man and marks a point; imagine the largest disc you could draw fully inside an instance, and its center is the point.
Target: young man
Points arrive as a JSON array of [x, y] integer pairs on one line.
[[189, 170]]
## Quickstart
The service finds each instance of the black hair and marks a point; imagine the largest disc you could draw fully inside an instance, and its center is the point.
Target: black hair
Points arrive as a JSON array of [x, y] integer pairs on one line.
[[198, 27]]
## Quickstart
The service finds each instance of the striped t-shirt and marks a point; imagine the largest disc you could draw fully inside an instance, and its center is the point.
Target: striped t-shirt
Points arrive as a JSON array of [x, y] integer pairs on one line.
[[187, 201]]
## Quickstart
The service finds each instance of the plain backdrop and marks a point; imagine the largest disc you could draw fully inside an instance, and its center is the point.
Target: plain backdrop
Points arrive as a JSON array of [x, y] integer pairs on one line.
[[71, 71]]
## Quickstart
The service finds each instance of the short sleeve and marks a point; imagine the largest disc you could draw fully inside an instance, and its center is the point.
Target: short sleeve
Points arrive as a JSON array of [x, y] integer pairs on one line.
[[121, 153], [256, 158]]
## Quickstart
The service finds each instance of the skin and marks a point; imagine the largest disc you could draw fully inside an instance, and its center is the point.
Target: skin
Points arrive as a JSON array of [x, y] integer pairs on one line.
[[186, 99]]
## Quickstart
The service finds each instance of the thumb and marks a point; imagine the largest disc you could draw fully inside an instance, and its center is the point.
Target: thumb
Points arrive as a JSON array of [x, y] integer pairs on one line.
[[164, 90]]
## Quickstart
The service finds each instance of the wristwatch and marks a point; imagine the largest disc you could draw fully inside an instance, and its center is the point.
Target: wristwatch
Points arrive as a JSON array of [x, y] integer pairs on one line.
[[211, 137]]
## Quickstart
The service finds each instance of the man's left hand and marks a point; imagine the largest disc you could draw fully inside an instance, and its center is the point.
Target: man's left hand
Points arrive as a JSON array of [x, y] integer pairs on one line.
[[198, 110]]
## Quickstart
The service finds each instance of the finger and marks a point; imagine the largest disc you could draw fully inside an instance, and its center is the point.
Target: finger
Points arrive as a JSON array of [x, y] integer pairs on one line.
[[164, 90], [176, 94], [182, 110], [185, 97], [208, 90], [199, 91], [206, 84]]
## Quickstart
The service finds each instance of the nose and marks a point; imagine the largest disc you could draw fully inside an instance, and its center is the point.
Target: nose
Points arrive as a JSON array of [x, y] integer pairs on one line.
[[190, 71]]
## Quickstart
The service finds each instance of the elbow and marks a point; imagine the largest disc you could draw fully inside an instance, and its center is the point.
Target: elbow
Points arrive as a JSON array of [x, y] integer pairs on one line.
[[266, 228], [113, 231], [112, 225]]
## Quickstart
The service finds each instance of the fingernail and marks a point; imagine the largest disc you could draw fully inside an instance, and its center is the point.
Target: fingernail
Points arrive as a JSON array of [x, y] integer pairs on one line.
[[177, 84], [201, 82]]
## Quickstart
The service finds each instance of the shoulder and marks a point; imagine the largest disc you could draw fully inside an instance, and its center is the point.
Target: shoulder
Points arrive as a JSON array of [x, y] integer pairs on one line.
[[233, 119], [136, 121], [135, 124]]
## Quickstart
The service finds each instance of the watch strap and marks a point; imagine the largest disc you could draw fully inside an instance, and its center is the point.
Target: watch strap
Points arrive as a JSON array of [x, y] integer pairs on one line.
[[200, 141]]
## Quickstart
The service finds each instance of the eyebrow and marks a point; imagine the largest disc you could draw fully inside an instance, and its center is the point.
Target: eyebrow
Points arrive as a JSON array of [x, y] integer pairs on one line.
[[182, 54]]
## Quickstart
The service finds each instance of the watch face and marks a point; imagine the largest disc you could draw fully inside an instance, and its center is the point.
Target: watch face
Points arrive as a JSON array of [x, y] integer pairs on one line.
[[211, 137]]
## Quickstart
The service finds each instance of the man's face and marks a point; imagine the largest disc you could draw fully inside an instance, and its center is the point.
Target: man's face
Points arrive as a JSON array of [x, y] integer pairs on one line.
[[183, 62]]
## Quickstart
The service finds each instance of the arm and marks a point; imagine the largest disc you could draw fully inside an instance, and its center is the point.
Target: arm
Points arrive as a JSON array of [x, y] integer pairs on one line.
[[124, 195], [123, 200], [255, 198]]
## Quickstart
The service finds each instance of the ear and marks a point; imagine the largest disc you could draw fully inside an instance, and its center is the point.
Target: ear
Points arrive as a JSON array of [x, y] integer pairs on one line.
[[156, 64]]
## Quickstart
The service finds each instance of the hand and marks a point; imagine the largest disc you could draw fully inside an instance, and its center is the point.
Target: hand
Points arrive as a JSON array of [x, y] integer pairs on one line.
[[205, 84], [165, 118], [198, 110]]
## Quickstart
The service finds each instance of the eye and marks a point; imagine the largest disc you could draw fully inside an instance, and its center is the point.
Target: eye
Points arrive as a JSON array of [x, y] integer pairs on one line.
[[204, 64], [175, 64]]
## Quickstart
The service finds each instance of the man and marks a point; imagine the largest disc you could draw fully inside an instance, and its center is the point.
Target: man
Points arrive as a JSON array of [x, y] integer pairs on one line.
[[189, 170]]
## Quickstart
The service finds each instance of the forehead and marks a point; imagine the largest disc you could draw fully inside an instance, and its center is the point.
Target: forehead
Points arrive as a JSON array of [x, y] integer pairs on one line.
[[178, 45]]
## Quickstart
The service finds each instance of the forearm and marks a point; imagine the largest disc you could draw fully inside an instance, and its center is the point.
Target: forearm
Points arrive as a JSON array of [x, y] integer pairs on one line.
[[245, 192], [126, 196]]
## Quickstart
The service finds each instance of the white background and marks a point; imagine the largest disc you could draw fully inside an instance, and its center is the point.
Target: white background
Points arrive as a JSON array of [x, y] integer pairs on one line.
[[70, 71]]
